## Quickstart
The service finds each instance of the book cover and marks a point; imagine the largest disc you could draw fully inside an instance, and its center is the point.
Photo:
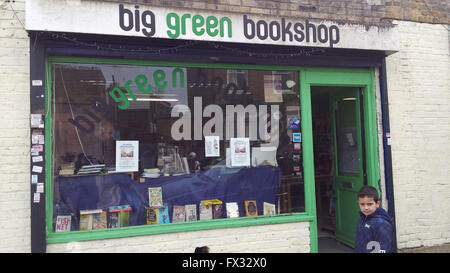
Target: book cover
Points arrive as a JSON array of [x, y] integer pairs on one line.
[[191, 212], [85, 222], [124, 218], [87, 219], [179, 214], [152, 216], [119, 216], [217, 211], [269, 209], [205, 211], [63, 223], [232, 210], [99, 220], [250, 208], [163, 215], [113, 219], [155, 197], [211, 202]]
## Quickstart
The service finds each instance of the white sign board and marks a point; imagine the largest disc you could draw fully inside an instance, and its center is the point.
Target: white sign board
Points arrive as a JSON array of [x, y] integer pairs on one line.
[[94, 17]]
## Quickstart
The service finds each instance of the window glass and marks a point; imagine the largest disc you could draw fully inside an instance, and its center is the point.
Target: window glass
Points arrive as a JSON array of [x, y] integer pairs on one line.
[[347, 138], [147, 145]]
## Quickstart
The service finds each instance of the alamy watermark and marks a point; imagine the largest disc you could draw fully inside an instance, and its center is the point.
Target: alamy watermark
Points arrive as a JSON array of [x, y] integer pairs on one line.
[[262, 125]]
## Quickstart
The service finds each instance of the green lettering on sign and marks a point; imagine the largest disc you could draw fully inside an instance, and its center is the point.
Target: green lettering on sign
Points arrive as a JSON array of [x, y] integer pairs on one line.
[[143, 85], [200, 26]]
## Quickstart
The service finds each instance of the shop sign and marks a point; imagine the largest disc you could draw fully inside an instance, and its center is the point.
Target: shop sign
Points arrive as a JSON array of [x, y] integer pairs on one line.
[[96, 17]]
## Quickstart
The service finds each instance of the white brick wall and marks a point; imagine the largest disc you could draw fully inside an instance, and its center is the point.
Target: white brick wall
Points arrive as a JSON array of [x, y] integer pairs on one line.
[[418, 83], [14, 129], [286, 238], [419, 105]]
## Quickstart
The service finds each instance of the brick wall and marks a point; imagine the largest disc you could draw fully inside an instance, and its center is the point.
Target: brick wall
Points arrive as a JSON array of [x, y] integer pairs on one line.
[[419, 105], [367, 12], [288, 238], [14, 129]]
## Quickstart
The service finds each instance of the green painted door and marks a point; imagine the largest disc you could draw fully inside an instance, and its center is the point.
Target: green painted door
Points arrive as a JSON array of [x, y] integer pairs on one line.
[[348, 163]]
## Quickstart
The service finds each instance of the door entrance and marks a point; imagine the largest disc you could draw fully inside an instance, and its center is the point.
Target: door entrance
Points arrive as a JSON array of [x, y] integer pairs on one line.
[[339, 164]]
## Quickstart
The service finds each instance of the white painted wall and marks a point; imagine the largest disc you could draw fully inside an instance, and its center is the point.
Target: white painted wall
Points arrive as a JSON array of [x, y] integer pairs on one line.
[[419, 104], [290, 237], [14, 129]]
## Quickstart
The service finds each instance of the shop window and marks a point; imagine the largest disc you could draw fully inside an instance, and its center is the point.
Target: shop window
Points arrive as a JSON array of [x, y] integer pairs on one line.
[[150, 145]]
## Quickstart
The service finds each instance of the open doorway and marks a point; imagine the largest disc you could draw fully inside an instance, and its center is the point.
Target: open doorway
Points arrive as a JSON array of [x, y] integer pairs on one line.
[[325, 121]]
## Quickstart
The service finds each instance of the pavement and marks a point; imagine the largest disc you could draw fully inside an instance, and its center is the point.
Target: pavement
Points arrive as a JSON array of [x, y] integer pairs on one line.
[[328, 244], [445, 248]]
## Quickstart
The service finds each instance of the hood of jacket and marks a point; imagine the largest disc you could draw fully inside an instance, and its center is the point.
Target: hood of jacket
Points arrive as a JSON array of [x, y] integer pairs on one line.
[[379, 213]]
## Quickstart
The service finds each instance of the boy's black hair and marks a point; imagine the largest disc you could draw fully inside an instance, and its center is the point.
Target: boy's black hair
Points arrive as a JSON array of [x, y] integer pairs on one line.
[[201, 249], [368, 191]]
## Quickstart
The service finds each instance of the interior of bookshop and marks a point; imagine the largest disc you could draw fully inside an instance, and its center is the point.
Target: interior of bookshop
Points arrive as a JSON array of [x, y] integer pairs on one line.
[[152, 145], [323, 160]]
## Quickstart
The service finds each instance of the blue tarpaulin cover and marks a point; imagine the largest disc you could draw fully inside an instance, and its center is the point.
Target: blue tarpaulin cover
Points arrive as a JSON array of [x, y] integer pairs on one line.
[[228, 185]]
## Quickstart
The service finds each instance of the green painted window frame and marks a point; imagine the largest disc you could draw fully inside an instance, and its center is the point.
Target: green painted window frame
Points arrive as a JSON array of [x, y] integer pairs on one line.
[[53, 237], [308, 77]]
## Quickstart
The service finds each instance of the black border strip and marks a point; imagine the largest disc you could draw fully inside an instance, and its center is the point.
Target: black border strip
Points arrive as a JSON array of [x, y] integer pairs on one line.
[[37, 106], [387, 148]]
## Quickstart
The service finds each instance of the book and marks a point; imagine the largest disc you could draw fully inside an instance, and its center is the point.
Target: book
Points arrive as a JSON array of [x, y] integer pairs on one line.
[[211, 202], [217, 211], [85, 222], [63, 223], [250, 208], [191, 212], [119, 216], [205, 211], [91, 169], [179, 214], [152, 216], [99, 220], [125, 216], [269, 209], [113, 220], [215, 205], [87, 219], [67, 169], [155, 197], [232, 210], [163, 215]]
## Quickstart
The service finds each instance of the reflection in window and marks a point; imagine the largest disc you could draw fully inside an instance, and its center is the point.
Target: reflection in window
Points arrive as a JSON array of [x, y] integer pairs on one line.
[[145, 145]]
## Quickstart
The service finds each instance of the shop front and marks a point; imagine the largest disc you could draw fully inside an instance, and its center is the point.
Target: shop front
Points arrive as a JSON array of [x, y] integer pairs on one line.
[[149, 121]]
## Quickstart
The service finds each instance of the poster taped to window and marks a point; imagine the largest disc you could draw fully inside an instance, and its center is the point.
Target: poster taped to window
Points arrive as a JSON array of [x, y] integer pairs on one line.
[[127, 156]]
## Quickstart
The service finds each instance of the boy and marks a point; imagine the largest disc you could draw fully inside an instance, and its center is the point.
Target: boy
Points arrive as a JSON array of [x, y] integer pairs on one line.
[[374, 231]]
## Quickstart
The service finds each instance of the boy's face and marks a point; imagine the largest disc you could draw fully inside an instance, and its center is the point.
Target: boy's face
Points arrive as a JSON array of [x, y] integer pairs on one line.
[[368, 205]]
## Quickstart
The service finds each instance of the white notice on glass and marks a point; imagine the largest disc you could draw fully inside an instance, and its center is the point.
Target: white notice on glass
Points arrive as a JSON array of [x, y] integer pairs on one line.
[[212, 147], [240, 152], [37, 169], [36, 121], [36, 197], [37, 158], [40, 187], [127, 156]]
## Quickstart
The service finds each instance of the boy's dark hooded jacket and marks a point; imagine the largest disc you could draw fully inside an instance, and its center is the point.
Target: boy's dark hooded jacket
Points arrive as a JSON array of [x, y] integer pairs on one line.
[[374, 233]]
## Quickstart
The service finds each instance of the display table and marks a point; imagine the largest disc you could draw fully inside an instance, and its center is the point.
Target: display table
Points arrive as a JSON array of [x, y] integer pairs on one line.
[[228, 185]]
